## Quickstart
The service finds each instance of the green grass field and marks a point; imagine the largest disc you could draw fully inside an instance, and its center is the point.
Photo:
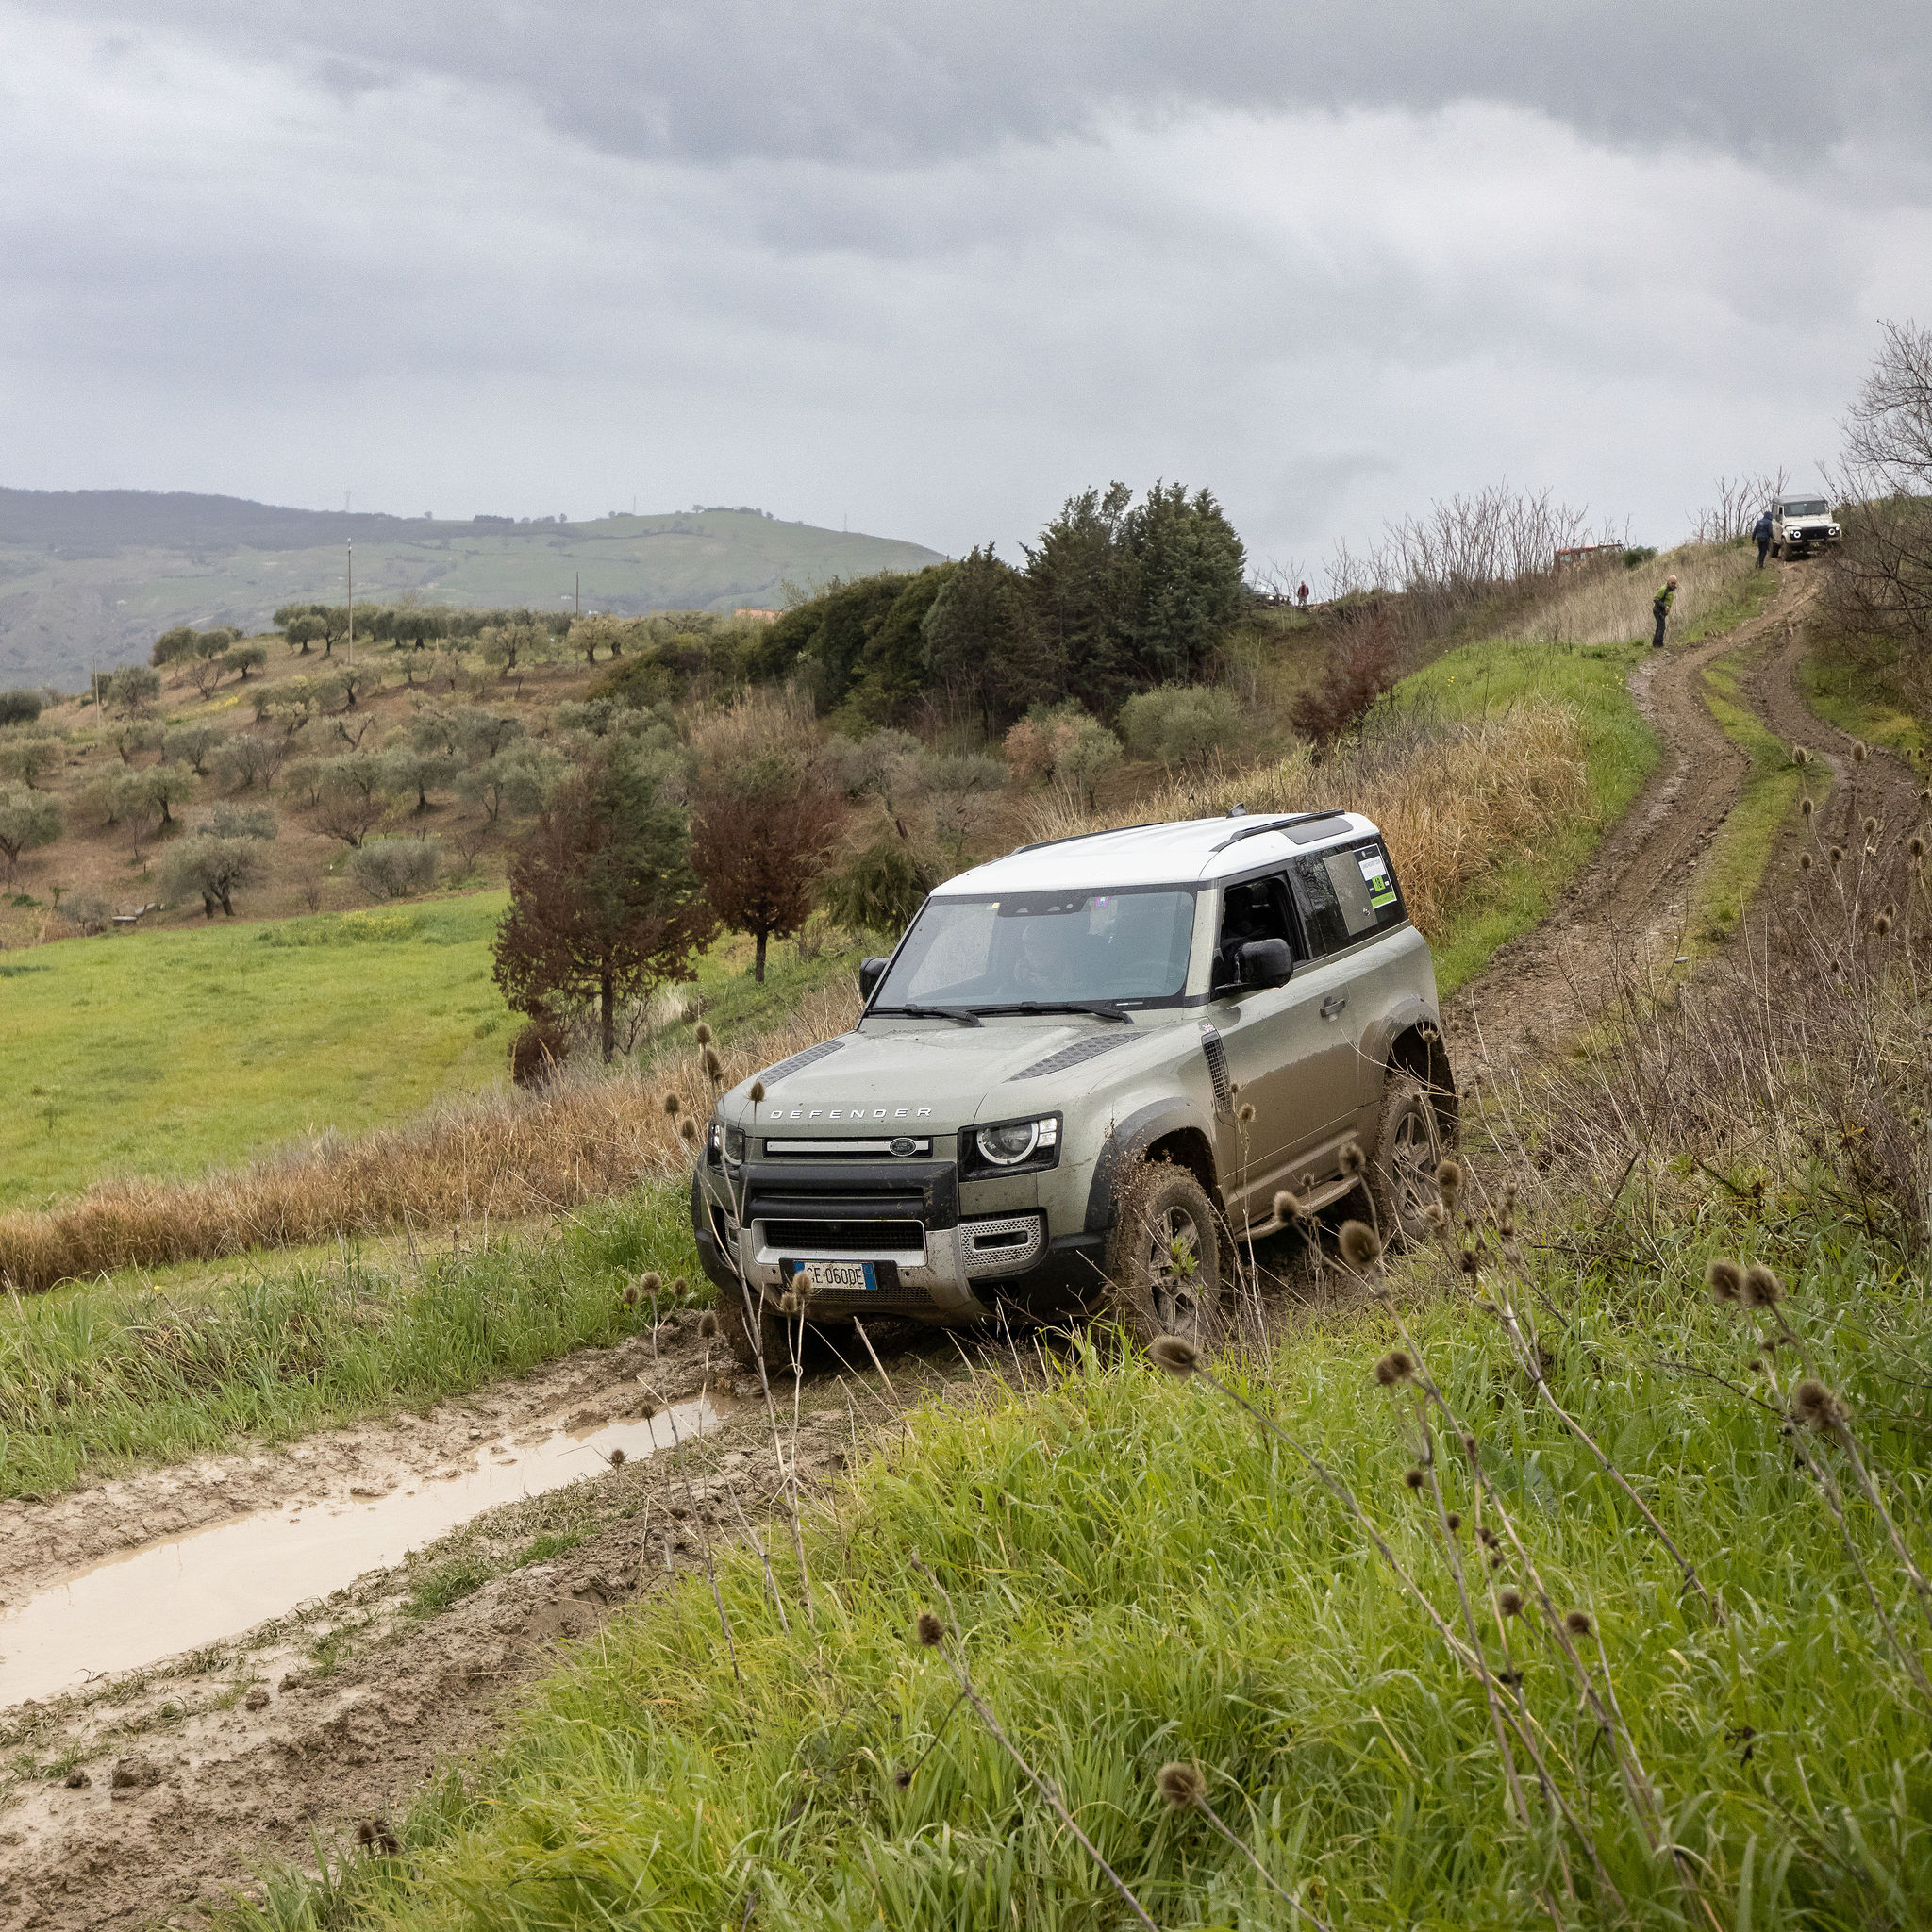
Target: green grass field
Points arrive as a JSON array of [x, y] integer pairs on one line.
[[169, 1053]]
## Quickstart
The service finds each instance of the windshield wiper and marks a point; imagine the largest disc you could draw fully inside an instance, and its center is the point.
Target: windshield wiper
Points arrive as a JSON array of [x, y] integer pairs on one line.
[[1101, 1009], [964, 1015]]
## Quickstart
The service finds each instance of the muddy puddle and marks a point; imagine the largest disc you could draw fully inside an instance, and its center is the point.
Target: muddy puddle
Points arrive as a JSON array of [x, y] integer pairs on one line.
[[209, 1584]]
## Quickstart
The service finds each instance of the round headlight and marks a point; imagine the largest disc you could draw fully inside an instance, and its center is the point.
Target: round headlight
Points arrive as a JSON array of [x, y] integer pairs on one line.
[[735, 1144], [1004, 1146]]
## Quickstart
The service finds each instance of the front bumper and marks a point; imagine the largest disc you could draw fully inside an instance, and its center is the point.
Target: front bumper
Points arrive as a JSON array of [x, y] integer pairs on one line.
[[929, 1261]]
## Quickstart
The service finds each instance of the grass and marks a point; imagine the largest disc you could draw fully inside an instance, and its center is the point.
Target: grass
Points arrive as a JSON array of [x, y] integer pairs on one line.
[[1855, 698], [1137, 1574], [95, 1379], [171, 1053], [1618, 749]]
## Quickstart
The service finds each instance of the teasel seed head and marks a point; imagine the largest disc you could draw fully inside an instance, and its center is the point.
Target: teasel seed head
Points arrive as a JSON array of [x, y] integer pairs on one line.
[[1181, 1784], [1803, 861], [1800, 755], [1394, 1367], [1726, 1279], [1449, 1180], [679, 1286], [1882, 925], [790, 1303], [1762, 1289], [1178, 1358], [1435, 1216], [1510, 1601], [629, 1295], [903, 1778], [1354, 1162], [1915, 845], [1871, 827], [1860, 751], [1578, 1623], [1359, 1247], [1234, 1090], [650, 1281], [365, 1832], [704, 1034], [1837, 854], [618, 1458], [1807, 807], [1471, 1263], [930, 1629], [758, 1091], [1414, 1479], [673, 1106], [707, 1325], [1288, 1206], [804, 1283], [1454, 1520], [688, 1132], [1245, 1113], [1813, 1403], [714, 1067]]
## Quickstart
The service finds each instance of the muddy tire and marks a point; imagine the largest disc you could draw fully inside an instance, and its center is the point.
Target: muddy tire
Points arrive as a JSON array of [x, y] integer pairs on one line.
[[757, 1332], [1164, 1259], [1402, 1170]]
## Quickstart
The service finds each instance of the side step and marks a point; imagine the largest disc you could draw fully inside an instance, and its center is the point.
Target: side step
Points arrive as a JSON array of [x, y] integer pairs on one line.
[[1324, 1196]]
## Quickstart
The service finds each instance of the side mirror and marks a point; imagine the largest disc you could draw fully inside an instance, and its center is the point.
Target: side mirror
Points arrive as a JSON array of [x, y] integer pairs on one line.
[[870, 972], [1265, 962]]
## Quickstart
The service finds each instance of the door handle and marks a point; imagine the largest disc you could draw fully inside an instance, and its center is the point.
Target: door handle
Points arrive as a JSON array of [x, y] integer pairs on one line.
[[1333, 1005]]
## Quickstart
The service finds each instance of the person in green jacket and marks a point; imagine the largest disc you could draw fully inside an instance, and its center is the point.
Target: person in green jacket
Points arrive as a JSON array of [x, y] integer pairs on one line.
[[1660, 609]]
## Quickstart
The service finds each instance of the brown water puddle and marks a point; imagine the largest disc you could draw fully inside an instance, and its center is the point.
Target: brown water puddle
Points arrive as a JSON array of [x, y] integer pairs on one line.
[[206, 1586]]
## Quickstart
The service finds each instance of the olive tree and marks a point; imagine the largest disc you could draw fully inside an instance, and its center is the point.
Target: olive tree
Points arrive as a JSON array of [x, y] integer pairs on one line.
[[134, 689], [192, 744], [29, 757], [27, 818], [219, 857], [249, 757], [394, 868]]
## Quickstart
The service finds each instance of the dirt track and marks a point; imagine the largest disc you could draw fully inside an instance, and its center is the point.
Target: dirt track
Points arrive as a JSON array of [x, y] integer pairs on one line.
[[195, 1778], [1630, 903]]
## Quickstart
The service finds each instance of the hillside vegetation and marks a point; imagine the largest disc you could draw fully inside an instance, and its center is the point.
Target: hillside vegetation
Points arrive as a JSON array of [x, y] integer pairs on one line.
[[87, 578]]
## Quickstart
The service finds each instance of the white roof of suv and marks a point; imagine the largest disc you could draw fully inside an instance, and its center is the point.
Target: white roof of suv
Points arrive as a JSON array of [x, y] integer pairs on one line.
[[1183, 852]]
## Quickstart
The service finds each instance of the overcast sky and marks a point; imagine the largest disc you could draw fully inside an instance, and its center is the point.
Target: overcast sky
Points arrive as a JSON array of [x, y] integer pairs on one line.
[[930, 268]]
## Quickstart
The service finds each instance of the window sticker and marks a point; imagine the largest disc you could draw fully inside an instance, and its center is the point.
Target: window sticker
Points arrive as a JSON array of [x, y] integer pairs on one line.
[[1374, 870]]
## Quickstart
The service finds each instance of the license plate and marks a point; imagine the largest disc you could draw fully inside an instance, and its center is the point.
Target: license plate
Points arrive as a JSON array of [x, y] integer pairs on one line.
[[843, 1277]]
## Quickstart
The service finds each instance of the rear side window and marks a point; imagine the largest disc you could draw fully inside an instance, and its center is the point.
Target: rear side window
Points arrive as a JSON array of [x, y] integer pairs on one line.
[[1347, 895]]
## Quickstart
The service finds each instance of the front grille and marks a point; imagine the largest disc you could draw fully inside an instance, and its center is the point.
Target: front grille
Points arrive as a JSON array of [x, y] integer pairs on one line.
[[845, 1236]]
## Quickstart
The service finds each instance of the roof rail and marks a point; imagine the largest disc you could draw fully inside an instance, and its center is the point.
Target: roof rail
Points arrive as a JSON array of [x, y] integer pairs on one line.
[[1299, 818], [1104, 832]]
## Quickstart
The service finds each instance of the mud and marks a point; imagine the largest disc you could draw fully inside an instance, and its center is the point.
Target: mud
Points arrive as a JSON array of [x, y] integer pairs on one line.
[[1628, 908]]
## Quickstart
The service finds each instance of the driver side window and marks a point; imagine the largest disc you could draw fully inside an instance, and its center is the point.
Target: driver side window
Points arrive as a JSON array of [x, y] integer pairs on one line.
[[1255, 909]]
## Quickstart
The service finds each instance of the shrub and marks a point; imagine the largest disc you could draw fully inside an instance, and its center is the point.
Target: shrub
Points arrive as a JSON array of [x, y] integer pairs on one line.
[[1062, 745], [243, 821], [1181, 723], [1363, 667], [537, 1050], [29, 756], [394, 868], [879, 888], [874, 763], [19, 706], [191, 745], [87, 911]]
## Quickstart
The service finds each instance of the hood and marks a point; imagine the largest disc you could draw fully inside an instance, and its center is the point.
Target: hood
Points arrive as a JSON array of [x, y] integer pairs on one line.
[[931, 1078]]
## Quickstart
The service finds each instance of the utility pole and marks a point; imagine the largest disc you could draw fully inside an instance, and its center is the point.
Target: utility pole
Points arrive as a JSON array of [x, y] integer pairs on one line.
[[580, 593], [352, 603]]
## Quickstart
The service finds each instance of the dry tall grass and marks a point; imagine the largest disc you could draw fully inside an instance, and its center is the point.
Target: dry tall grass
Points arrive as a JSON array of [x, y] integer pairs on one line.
[[499, 1156], [1447, 797], [1606, 604]]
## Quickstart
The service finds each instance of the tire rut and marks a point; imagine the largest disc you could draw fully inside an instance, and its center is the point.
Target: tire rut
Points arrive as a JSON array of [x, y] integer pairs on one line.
[[1631, 900]]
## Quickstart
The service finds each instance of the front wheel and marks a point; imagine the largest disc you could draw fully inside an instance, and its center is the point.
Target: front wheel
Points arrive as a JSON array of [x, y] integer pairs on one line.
[[1164, 1259], [1408, 1146]]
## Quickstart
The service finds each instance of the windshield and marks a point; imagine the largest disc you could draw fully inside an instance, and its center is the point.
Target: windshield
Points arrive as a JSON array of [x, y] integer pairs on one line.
[[1807, 506], [1045, 948]]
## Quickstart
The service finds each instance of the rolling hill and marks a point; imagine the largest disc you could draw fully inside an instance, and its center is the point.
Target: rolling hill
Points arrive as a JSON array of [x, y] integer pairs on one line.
[[89, 577]]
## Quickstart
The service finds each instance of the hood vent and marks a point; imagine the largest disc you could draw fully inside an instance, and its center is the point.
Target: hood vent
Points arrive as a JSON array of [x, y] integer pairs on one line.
[[1070, 1056], [799, 1061]]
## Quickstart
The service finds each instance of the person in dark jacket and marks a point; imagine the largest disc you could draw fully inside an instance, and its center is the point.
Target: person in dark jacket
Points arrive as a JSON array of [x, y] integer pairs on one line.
[[1660, 609], [1763, 532]]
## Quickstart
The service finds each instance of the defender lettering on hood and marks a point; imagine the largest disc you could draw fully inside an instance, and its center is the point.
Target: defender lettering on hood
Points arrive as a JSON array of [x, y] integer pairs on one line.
[[1129, 1043]]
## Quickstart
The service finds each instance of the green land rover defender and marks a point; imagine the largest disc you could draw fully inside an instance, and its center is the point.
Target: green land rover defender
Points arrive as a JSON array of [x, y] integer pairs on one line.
[[1082, 1076]]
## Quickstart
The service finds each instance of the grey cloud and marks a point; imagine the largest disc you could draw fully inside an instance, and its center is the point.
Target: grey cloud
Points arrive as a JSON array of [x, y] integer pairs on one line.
[[879, 83]]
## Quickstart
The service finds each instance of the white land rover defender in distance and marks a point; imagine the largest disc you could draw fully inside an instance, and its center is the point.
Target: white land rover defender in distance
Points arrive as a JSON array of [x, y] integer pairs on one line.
[[1084, 1074], [1800, 525]]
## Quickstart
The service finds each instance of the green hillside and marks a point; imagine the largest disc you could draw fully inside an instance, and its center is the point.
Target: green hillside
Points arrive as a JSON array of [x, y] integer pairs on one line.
[[87, 579]]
